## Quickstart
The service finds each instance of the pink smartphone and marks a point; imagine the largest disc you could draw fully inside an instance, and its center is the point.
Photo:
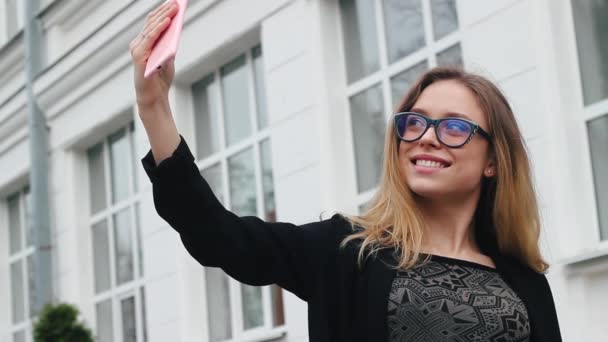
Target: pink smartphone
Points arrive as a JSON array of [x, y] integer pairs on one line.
[[165, 47]]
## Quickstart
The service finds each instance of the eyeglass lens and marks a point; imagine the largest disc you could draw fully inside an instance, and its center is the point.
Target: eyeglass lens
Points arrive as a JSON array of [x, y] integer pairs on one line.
[[451, 132]]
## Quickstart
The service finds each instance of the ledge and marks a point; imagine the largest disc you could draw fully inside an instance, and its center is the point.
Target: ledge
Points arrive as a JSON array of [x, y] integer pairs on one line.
[[263, 335], [12, 54], [588, 261]]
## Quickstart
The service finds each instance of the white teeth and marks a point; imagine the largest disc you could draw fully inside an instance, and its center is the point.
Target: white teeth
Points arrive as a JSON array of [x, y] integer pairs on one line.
[[429, 163]]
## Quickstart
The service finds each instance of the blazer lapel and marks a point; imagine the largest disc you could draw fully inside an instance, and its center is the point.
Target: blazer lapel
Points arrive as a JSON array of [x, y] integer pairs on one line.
[[377, 279]]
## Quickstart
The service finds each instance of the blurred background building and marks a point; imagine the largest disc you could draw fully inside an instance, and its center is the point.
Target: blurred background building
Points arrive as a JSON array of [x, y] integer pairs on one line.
[[284, 103]]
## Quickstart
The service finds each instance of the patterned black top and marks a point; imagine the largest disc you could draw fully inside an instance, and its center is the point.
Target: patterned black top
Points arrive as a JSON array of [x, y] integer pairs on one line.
[[454, 300]]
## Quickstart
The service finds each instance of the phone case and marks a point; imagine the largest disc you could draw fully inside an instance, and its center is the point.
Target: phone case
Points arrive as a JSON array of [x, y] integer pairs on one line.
[[165, 47]]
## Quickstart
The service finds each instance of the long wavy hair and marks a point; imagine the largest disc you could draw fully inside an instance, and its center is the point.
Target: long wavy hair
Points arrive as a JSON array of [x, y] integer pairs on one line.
[[506, 220]]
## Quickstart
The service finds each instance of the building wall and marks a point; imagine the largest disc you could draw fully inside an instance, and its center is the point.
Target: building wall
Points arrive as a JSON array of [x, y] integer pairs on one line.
[[527, 47]]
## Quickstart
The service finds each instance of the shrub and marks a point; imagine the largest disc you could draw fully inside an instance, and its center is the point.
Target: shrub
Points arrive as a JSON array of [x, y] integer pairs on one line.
[[58, 323]]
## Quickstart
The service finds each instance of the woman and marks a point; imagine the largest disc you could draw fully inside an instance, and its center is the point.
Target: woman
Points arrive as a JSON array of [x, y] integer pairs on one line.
[[448, 250]]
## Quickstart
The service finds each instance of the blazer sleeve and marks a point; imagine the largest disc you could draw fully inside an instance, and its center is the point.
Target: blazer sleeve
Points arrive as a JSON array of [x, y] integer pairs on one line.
[[247, 248], [534, 290], [548, 324]]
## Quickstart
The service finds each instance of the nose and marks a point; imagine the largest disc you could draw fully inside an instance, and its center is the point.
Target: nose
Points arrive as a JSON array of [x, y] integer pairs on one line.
[[430, 138]]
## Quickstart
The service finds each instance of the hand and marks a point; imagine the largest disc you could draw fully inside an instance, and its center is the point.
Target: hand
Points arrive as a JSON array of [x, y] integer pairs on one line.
[[152, 93], [154, 89]]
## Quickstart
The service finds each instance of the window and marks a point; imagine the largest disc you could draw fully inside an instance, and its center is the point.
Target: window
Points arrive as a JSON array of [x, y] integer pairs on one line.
[[591, 34], [116, 239], [21, 264], [388, 44], [13, 17], [598, 140], [233, 149]]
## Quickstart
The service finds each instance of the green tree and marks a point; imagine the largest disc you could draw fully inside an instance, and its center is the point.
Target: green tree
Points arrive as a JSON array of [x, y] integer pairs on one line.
[[58, 323]]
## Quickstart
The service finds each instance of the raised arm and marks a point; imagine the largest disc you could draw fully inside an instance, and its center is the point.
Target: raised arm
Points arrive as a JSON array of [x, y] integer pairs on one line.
[[152, 93], [247, 248]]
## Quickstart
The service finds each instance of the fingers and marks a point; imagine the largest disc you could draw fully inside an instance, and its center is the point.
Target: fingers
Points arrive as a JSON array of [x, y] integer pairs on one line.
[[155, 19], [158, 9], [156, 22], [168, 10], [153, 32]]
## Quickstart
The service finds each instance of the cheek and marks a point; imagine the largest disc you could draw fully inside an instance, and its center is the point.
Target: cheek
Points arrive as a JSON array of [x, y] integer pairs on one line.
[[470, 166], [404, 161]]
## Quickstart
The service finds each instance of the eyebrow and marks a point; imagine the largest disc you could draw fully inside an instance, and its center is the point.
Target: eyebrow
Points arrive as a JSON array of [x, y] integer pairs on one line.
[[447, 114]]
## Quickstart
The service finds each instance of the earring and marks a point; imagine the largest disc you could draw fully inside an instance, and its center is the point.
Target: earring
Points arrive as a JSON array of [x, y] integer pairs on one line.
[[489, 171]]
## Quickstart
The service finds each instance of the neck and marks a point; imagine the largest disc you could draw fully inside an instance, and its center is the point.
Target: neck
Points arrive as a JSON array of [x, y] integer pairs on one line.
[[449, 229]]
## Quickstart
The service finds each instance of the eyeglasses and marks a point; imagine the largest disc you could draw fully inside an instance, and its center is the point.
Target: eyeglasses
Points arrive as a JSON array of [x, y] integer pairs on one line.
[[452, 132]]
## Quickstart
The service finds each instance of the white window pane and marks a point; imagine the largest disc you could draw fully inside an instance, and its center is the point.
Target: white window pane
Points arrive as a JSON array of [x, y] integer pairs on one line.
[[598, 140], [451, 56], [218, 304], [242, 183], [101, 256], [235, 94], [360, 38], [592, 42], [367, 112], [17, 292], [267, 181], [364, 207], [14, 223], [140, 247], [445, 17], [19, 336], [278, 312], [134, 155], [123, 244], [206, 116], [104, 321], [129, 326], [404, 27], [260, 87], [119, 166], [97, 190], [31, 284], [13, 22], [253, 310], [27, 217], [213, 176], [402, 82], [143, 314]]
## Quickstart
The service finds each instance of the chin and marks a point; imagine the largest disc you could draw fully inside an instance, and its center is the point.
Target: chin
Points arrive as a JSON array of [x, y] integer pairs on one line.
[[434, 190], [429, 191]]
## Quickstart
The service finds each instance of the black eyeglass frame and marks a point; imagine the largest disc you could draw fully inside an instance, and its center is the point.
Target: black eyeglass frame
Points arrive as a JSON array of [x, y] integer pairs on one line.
[[475, 128]]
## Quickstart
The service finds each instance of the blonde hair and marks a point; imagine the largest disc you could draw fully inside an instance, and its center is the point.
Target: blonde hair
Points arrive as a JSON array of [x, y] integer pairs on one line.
[[507, 217]]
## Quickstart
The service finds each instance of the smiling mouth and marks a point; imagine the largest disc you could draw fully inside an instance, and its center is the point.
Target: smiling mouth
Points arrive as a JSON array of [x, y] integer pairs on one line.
[[430, 163]]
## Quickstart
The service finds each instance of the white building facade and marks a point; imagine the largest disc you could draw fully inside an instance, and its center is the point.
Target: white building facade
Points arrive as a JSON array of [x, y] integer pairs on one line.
[[284, 104]]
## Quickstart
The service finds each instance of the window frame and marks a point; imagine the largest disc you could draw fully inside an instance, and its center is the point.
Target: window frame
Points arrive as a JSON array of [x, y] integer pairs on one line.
[[19, 19], [135, 287], [387, 70], [587, 113], [21, 256], [221, 157]]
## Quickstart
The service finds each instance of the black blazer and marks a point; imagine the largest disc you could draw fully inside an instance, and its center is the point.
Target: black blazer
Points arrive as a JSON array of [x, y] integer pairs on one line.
[[345, 302]]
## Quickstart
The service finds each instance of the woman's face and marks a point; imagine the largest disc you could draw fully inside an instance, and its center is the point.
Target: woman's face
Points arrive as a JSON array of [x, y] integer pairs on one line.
[[459, 171]]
